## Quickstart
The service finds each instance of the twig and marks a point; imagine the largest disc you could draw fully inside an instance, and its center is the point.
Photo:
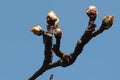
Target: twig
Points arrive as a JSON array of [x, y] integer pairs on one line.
[[66, 59]]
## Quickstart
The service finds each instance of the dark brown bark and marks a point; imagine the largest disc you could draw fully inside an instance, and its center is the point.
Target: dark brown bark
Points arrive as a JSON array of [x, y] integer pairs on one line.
[[65, 59]]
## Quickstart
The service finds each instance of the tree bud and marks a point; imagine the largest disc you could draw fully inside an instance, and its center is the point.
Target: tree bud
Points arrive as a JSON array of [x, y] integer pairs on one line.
[[107, 22], [37, 30], [58, 32], [92, 11], [52, 19]]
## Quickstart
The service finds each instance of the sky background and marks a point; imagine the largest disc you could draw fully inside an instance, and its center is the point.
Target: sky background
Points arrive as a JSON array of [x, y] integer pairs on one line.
[[21, 52]]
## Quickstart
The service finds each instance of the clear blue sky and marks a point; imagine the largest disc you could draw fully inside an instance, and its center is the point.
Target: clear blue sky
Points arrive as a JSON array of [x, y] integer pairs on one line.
[[21, 52]]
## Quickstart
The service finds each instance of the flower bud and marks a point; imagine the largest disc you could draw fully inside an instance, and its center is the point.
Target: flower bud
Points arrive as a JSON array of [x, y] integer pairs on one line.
[[58, 32], [107, 22], [92, 11], [37, 30], [52, 19]]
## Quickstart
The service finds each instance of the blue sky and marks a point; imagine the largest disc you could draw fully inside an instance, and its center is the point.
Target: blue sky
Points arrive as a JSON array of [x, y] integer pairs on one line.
[[21, 52]]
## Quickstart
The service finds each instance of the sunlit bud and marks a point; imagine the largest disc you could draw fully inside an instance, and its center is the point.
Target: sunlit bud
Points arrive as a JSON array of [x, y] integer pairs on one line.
[[92, 11], [37, 30], [107, 22], [52, 19], [58, 32]]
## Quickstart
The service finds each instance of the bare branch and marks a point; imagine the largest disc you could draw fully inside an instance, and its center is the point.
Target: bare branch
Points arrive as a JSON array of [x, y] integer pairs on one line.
[[66, 59]]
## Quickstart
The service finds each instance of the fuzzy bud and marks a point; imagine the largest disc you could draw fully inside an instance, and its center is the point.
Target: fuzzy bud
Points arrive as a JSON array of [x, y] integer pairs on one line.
[[107, 22], [58, 32], [37, 30], [92, 11], [52, 19]]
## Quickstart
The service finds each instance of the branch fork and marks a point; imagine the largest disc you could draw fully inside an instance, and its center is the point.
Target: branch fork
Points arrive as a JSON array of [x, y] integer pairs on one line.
[[53, 28]]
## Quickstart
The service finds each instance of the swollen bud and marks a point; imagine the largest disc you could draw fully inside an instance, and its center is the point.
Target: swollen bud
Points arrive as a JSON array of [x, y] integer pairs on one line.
[[58, 32], [37, 30], [92, 12], [52, 19], [107, 22]]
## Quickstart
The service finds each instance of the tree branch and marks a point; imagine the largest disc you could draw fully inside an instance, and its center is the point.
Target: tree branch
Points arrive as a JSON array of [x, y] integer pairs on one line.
[[66, 59]]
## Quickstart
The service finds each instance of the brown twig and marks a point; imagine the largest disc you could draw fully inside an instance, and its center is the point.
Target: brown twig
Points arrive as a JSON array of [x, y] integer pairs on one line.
[[66, 59]]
